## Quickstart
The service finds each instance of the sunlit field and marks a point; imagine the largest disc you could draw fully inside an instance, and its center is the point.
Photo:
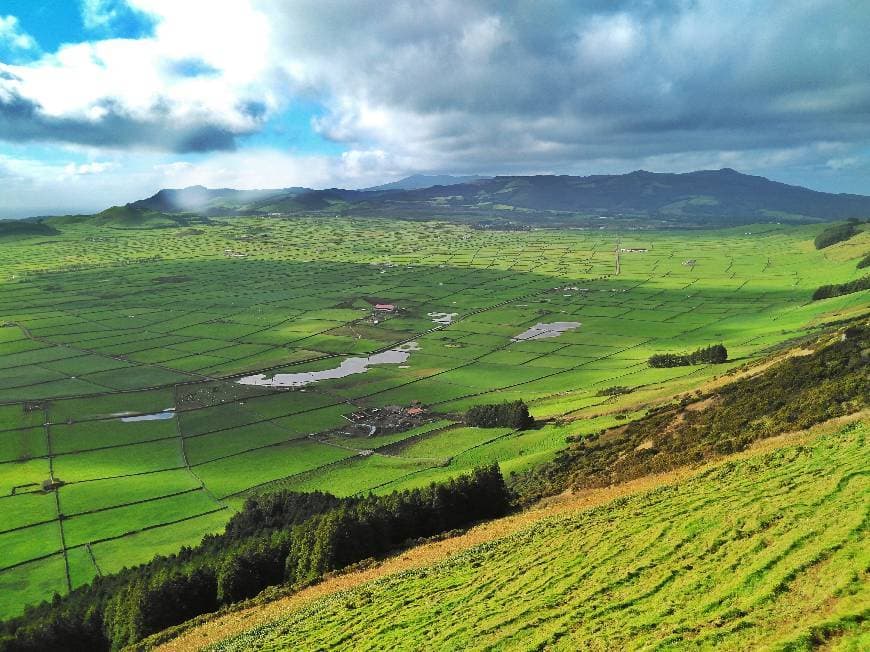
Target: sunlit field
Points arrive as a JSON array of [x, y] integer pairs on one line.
[[125, 433]]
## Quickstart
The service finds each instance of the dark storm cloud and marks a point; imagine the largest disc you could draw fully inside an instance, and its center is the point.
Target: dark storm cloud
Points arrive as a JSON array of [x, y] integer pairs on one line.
[[553, 84], [22, 120]]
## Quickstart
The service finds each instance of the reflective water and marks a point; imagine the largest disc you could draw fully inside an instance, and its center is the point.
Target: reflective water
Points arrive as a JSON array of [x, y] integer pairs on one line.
[[540, 331], [348, 367]]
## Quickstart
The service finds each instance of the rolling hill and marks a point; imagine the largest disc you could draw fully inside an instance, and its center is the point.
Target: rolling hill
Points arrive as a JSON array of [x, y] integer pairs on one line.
[[704, 198]]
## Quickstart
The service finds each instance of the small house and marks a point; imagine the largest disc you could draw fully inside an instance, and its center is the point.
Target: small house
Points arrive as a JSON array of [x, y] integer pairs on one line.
[[385, 307]]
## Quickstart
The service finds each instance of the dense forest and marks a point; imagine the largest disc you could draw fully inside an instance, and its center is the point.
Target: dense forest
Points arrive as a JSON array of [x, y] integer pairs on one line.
[[715, 354], [794, 394], [281, 538]]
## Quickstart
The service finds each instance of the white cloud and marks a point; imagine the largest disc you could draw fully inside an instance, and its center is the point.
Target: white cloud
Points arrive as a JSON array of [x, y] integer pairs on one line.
[[13, 37], [125, 91], [94, 167], [99, 13]]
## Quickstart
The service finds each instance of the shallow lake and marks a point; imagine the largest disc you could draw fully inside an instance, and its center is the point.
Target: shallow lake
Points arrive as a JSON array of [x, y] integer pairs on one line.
[[348, 367], [540, 331], [443, 318], [157, 416]]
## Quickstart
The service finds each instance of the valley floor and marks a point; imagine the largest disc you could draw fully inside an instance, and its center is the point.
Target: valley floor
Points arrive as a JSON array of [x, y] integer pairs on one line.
[[766, 548]]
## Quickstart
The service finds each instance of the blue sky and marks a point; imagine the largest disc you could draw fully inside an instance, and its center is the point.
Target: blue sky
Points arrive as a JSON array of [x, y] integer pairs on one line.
[[105, 101]]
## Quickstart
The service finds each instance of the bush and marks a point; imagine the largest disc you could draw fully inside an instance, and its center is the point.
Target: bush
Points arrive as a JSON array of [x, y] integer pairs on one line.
[[864, 262], [514, 414]]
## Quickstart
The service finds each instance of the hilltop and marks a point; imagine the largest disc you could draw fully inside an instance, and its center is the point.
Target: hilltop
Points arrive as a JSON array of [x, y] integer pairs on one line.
[[704, 198], [419, 181]]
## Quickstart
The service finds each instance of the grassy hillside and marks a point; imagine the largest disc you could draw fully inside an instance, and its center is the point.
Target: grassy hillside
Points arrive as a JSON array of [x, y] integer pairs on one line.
[[793, 394], [133, 218], [766, 551], [103, 323]]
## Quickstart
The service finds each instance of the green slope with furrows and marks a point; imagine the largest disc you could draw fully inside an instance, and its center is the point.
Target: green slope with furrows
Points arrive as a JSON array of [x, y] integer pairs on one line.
[[765, 552]]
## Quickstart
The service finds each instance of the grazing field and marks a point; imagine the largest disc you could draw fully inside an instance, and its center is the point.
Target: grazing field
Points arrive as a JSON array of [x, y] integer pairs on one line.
[[124, 431], [764, 552]]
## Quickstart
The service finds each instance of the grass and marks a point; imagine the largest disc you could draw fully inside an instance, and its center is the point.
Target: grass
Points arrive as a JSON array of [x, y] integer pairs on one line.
[[79, 350], [765, 551]]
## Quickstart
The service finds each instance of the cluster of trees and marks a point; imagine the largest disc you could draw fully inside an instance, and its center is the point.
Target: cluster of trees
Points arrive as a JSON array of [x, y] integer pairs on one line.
[[864, 262], [510, 414], [836, 233], [714, 354], [828, 291], [792, 395], [279, 538]]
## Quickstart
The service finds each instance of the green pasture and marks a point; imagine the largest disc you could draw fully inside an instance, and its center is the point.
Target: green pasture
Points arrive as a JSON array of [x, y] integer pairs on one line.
[[99, 324]]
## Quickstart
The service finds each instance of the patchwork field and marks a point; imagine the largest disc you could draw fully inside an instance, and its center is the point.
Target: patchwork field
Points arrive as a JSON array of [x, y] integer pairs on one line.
[[759, 553], [122, 350]]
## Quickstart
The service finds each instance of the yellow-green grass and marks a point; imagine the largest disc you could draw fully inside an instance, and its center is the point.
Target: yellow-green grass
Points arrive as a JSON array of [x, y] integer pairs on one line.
[[768, 551]]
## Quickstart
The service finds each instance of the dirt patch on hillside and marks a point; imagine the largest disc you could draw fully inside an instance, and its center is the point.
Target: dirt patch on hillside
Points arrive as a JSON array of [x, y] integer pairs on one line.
[[207, 632]]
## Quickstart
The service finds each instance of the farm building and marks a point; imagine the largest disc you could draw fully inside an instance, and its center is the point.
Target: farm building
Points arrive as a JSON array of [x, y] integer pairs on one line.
[[385, 307]]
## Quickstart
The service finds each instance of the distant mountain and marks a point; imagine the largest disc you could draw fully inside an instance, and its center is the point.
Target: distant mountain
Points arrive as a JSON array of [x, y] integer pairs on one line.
[[704, 197], [640, 199], [418, 181]]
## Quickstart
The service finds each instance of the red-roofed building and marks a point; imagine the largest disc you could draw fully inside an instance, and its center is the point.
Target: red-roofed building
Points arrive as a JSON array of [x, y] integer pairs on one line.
[[385, 307]]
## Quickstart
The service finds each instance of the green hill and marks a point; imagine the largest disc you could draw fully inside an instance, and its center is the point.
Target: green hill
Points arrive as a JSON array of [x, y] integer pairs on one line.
[[766, 551], [130, 217], [10, 228]]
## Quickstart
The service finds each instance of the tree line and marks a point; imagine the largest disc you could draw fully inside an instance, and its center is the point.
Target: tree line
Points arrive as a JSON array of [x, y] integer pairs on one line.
[[281, 538], [714, 354], [837, 290]]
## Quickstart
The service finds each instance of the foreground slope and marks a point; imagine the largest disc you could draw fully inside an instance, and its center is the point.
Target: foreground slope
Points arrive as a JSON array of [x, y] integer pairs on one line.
[[763, 551]]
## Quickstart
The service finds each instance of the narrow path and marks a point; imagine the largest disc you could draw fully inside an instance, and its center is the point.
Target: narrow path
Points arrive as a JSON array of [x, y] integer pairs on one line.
[[211, 629]]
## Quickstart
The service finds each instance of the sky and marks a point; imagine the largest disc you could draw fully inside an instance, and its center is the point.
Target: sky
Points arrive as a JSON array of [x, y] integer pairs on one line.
[[106, 101]]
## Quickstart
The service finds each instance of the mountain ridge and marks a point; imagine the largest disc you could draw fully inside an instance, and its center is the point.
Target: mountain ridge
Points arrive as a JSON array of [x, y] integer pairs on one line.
[[419, 181], [708, 198]]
